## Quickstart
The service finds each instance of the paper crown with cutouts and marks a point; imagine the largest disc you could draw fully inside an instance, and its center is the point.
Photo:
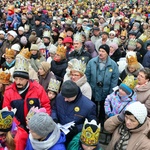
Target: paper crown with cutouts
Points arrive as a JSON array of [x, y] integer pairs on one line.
[[79, 66], [68, 21], [116, 26], [10, 53], [62, 35], [130, 81], [131, 58], [143, 37], [80, 21], [54, 85], [106, 29], [46, 34], [123, 33], [33, 111], [24, 53], [132, 44], [90, 133], [6, 119], [77, 37], [4, 76], [61, 50]]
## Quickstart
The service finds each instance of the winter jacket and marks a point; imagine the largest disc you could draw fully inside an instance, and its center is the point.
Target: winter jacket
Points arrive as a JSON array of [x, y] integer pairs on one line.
[[108, 76], [44, 81], [146, 60], [59, 69], [35, 96], [81, 55], [77, 110], [116, 55], [143, 95], [140, 54], [85, 87], [58, 146], [138, 139], [115, 104]]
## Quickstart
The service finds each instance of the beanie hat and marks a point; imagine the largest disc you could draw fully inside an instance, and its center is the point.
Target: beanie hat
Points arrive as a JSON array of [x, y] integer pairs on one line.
[[24, 18], [138, 110], [34, 47], [69, 89], [12, 33], [52, 49], [140, 41], [67, 40], [23, 40], [45, 65], [112, 32], [125, 88], [136, 24], [114, 45], [105, 47], [42, 124], [2, 32], [32, 38], [21, 29], [37, 18], [16, 47]]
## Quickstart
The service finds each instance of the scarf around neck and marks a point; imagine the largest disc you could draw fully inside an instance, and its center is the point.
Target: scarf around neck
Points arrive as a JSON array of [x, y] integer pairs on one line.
[[48, 143]]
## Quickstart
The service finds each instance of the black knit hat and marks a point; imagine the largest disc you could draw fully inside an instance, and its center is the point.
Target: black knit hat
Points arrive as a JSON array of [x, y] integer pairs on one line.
[[21, 74], [105, 47], [69, 89], [140, 41]]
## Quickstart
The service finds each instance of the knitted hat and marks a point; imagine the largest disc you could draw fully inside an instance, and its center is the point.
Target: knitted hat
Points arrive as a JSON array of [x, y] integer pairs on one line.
[[140, 41], [45, 66], [37, 18], [21, 29], [114, 45], [112, 32], [105, 47], [23, 40], [69, 89], [136, 24], [125, 88], [34, 47], [42, 124], [52, 49], [67, 40], [12, 33], [138, 110], [15, 47], [2, 32]]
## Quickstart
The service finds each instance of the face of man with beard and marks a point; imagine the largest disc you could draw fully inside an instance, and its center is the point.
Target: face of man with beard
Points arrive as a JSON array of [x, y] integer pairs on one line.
[[20, 82], [77, 45]]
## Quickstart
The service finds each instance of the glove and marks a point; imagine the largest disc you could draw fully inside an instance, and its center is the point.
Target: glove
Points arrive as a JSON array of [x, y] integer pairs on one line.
[[110, 115], [121, 116]]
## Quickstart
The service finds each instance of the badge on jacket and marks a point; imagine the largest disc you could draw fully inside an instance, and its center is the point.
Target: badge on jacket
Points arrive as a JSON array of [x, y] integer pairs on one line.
[[76, 109]]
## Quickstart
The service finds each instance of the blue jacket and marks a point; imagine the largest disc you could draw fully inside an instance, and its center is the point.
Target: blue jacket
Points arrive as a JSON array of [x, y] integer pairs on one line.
[[58, 146], [77, 110], [146, 60], [108, 76]]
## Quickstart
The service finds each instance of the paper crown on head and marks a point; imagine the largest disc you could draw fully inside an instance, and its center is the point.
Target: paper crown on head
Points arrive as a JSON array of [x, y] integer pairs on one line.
[[25, 53], [61, 50], [132, 44], [6, 119], [33, 111], [90, 133], [77, 37], [123, 33], [80, 21], [46, 34], [143, 37], [106, 29], [10, 53], [116, 26], [130, 81], [131, 58], [54, 85], [62, 35], [68, 21], [5, 76], [79, 66]]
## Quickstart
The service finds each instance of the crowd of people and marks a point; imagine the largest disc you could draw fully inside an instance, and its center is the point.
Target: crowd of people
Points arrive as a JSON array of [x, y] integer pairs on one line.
[[71, 71]]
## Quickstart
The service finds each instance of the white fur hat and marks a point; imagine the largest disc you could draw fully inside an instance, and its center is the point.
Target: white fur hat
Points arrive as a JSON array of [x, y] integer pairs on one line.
[[12, 33], [21, 28], [16, 47]]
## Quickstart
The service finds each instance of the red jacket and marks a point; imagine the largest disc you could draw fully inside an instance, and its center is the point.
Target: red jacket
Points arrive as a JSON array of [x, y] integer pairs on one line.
[[35, 96]]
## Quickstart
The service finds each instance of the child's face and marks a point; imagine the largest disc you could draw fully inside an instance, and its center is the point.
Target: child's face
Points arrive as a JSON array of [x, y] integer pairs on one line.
[[51, 95], [131, 69], [122, 93], [9, 59]]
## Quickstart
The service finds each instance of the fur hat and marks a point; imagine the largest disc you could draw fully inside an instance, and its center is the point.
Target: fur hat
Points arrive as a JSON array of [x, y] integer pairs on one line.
[[21, 29]]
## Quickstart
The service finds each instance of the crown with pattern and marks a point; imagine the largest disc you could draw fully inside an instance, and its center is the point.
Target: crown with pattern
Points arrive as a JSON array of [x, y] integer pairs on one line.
[[132, 44], [90, 133], [62, 35], [25, 53], [131, 58], [10, 53], [116, 26], [143, 36], [6, 119], [123, 33], [46, 34], [79, 66], [130, 81], [61, 50], [77, 37], [33, 111], [5, 76], [54, 85], [106, 29]]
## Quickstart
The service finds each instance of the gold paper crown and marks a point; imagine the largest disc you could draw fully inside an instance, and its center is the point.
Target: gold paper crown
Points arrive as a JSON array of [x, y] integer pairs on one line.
[[106, 29], [54, 85], [131, 58], [6, 119], [21, 65], [143, 37], [11, 7], [123, 33], [130, 81], [63, 35], [79, 66], [77, 37], [61, 50], [25, 53], [4, 76], [89, 136], [10, 53]]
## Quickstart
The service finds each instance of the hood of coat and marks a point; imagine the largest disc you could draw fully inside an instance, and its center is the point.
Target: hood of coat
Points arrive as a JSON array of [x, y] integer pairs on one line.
[[144, 88], [81, 81]]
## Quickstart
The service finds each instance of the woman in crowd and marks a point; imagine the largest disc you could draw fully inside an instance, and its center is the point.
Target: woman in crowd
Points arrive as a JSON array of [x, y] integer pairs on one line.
[[131, 129], [143, 88]]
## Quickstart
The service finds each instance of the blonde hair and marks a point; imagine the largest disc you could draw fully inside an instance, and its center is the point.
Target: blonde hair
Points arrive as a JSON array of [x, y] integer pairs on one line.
[[136, 66], [10, 143]]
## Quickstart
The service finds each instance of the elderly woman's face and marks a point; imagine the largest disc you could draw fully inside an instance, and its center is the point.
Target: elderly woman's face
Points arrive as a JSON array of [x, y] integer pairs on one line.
[[141, 78], [131, 122]]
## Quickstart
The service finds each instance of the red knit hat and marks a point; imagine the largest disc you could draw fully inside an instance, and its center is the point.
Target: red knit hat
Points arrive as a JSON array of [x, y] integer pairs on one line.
[[68, 40]]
